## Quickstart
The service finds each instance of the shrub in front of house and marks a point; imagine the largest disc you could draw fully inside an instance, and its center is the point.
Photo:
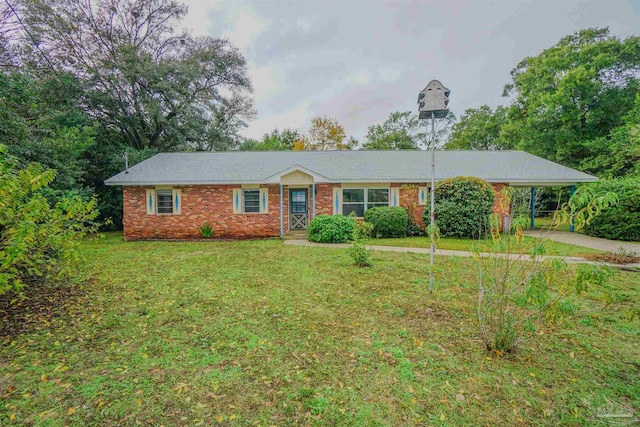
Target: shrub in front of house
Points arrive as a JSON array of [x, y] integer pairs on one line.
[[463, 207], [331, 229], [387, 221], [622, 220], [206, 232]]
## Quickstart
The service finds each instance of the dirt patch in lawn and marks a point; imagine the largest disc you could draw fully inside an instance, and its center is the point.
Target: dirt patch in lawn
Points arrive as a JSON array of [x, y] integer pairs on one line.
[[613, 258], [38, 307]]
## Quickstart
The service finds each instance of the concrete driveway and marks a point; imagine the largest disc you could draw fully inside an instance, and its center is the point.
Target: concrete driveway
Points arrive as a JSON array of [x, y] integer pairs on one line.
[[580, 239]]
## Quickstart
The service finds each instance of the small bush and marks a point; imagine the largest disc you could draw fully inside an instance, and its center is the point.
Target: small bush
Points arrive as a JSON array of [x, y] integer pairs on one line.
[[358, 251], [413, 229], [518, 296], [463, 207], [38, 241], [206, 231], [387, 221], [622, 220], [331, 229]]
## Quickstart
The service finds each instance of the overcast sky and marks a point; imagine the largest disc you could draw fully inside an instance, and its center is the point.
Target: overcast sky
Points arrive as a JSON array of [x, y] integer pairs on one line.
[[359, 60]]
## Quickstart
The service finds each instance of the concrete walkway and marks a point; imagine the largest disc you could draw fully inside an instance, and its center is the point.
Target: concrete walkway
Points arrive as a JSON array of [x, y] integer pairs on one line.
[[580, 239], [446, 252]]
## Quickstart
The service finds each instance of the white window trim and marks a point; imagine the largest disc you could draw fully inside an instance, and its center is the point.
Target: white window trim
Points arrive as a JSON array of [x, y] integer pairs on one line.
[[175, 192], [366, 197], [244, 212], [239, 200]]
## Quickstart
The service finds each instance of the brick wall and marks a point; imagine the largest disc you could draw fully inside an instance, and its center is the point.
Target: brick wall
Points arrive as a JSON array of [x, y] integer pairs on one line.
[[324, 198], [200, 204], [499, 201], [409, 201], [214, 204]]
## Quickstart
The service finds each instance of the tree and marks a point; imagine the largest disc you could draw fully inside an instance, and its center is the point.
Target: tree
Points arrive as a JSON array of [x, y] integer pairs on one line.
[[617, 154], [479, 129], [274, 141], [41, 122], [326, 134], [158, 87], [401, 131], [37, 240], [520, 291], [573, 94]]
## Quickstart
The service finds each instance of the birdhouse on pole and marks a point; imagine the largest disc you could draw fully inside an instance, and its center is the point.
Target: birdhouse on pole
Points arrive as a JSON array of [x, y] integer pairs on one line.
[[433, 99]]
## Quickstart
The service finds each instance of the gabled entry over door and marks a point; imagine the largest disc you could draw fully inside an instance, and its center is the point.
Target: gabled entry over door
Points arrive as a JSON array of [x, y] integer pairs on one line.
[[298, 208]]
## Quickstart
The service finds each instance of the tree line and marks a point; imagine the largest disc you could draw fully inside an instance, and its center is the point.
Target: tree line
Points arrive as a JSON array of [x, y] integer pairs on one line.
[[576, 103], [82, 82]]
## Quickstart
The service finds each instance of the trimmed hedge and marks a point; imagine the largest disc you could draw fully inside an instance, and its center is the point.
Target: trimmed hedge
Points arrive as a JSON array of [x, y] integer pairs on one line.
[[463, 207], [331, 229], [621, 221], [387, 221]]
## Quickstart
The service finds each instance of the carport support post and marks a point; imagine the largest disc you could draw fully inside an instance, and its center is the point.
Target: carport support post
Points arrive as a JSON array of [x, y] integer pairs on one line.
[[281, 214], [313, 200], [533, 207], [572, 227]]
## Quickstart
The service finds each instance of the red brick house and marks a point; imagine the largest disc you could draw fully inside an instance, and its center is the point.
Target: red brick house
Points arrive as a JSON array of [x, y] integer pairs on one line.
[[268, 194]]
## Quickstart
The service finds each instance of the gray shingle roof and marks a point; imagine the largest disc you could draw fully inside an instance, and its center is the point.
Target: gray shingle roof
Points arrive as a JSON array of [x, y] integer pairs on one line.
[[244, 167]]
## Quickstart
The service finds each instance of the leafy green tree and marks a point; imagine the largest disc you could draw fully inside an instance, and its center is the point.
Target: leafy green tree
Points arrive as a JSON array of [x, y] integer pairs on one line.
[[618, 154], [573, 94], [158, 87], [401, 131], [41, 122], [479, 129], [37, 240], [275, 141]]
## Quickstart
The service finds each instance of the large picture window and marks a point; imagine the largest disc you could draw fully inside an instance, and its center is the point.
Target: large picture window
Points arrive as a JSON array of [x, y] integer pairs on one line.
[[251, 200], [358, 200]]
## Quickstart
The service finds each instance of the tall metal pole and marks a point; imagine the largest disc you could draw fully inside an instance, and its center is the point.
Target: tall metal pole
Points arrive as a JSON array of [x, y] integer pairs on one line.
[[433, 198], [434, 99]]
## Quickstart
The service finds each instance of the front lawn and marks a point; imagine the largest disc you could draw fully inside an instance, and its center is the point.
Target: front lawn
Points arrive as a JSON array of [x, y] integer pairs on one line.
[[260, 333], [485, 245], [547, 223]]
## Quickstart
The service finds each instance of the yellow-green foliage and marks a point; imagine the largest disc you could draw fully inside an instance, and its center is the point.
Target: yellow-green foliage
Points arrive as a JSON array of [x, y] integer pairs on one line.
[[37, 241]]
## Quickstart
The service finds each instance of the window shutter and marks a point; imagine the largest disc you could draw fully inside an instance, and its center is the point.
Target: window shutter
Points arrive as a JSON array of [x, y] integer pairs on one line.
[[150, 201], [264, 200], [237, 200], [177, 201], [337, 200], [394, 196], [423, 194]]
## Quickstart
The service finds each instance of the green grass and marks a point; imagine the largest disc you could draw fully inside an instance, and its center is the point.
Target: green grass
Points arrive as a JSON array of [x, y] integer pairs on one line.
[[259, 333], [546, 223], [552, 248]]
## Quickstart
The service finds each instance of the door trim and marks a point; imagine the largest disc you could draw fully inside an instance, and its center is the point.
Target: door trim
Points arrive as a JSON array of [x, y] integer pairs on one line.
[[299, 221]]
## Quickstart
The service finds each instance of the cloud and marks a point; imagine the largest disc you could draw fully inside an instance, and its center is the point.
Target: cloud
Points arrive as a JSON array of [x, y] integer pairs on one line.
[[295, 117], [360, 60], [236, 21]]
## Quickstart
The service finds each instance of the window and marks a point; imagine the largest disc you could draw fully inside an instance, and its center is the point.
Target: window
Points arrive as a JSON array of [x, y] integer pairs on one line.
[[377, 197], [251, 200], [358, 200], [165, 201], [298, 201]]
